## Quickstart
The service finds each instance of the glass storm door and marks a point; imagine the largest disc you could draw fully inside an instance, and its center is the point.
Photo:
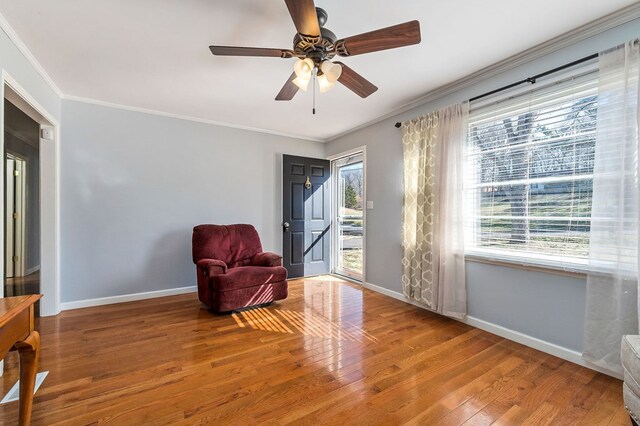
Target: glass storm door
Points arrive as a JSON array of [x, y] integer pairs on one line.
[[349, 216]]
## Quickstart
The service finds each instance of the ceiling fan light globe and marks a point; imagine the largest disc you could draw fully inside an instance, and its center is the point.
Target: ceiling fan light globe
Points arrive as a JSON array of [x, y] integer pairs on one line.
[[302, 83], [304, 68], [325, 84], [331, 70]]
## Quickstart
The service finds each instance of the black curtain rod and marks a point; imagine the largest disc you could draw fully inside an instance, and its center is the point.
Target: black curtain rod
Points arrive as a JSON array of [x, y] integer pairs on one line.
[[531, 80]]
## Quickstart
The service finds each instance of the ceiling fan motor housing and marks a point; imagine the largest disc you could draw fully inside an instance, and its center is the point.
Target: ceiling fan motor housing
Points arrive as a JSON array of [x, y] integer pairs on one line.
[[316, 48]]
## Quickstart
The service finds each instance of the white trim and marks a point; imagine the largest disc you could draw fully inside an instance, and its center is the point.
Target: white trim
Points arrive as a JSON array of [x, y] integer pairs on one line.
[[32, 270], [186, 118], [77, 304], [347, 153], [516, 336], [393, 294], [567, 39], [535, 343], [49, 194], [30, 100], [13, 36]]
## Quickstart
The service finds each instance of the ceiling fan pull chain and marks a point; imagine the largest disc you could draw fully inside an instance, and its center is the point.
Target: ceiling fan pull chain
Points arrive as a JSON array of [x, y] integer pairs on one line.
[[314, 92]]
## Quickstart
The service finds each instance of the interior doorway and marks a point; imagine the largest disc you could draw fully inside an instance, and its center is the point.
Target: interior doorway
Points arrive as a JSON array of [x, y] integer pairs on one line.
[[45, 268], [22, 203], [349, 210]]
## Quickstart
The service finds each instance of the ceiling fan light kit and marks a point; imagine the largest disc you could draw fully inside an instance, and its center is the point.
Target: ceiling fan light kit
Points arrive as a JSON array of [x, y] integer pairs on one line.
[[303, 68], [327, 74], [314, 46]]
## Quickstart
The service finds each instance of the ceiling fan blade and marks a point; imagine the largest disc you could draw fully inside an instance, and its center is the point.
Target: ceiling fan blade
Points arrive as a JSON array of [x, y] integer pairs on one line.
[[355, 82], [251, 51], [303, 13], [288, 91], [385, 38]]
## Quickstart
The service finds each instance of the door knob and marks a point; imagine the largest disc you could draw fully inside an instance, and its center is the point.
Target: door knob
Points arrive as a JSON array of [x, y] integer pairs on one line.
[[285, 226]]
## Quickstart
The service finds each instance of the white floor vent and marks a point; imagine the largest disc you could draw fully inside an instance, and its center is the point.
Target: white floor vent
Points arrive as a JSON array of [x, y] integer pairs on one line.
[[14, 392]]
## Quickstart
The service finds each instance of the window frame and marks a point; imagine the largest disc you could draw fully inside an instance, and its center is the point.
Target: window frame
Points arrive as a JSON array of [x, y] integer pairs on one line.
[[574, 266]]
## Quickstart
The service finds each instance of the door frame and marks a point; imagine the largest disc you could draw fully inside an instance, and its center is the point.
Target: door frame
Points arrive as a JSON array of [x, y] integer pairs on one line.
[[334, 196], [20, 207], [49, 191]]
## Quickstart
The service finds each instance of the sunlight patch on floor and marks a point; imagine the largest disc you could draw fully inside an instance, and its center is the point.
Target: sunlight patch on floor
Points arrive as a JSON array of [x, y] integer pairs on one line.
[[294, 322]]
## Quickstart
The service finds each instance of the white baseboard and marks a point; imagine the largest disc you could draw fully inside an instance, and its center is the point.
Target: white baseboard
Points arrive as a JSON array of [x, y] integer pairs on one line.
[[65, 306], [385, 291], [524, 339], [33, 270], [393, 294], [535, 343]]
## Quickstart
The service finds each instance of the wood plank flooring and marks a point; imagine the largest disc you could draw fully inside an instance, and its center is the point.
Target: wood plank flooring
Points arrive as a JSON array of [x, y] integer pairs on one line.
[[332, 353]]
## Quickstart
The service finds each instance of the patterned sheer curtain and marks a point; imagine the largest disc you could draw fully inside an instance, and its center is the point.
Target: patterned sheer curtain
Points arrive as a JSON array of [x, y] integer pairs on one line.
[[433, 224], [612, 283]]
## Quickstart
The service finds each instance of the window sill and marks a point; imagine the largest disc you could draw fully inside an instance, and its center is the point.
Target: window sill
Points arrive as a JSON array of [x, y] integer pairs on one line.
[[576, 272]]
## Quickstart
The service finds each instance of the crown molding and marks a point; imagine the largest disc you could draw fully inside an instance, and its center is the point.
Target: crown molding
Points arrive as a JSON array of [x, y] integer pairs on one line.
[[567, 39], [17, 41], [186, 118], [24, 50]]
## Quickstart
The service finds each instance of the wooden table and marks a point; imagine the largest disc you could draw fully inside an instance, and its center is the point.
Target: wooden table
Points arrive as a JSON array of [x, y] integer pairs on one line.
[[17, 333]]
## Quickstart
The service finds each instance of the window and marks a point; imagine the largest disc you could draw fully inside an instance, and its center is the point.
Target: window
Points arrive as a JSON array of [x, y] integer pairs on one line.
[[529, 163]]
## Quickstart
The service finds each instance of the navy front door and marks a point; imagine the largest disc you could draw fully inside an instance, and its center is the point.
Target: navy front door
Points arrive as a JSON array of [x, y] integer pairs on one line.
[[306, 218]]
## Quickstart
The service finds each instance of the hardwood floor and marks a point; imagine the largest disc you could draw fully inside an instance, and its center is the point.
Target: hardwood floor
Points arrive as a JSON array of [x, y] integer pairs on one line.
[[21, 286], [332, 353]]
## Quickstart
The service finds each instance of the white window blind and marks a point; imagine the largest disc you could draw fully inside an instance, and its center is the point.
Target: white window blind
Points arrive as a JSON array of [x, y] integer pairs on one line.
[[529, 174]]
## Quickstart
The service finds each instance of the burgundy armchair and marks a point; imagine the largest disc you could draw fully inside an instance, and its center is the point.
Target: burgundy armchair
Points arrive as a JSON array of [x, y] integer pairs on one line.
[[233, 271]]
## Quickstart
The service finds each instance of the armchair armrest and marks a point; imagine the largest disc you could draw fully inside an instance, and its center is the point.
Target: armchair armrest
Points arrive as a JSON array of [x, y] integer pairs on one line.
[[266, 259], [212, 266]]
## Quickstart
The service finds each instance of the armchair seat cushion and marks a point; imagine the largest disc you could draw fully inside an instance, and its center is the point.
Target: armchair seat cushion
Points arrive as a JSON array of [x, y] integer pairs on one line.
[[248, 276]]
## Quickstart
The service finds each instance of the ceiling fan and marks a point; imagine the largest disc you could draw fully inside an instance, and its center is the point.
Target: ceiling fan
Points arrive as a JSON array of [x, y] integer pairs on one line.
[[315, 46]]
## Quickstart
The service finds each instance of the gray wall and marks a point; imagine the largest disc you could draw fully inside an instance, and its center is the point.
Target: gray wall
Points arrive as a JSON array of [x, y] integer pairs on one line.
[[133, 185], [543, 305]]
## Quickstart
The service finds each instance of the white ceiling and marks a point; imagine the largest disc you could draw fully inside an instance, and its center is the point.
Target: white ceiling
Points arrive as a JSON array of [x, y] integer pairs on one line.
[[153, 54]]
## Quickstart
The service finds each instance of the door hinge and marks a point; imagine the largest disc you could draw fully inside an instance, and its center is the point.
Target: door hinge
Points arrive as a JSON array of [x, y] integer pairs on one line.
[[15, 215], [15, 259], [16, 172]]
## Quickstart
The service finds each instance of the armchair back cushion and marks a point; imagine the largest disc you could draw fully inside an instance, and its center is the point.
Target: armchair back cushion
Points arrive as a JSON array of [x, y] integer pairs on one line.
[[235, 245]]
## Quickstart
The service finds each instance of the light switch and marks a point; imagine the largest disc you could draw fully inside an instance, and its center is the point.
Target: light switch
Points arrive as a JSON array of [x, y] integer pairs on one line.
[[369, 205]]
